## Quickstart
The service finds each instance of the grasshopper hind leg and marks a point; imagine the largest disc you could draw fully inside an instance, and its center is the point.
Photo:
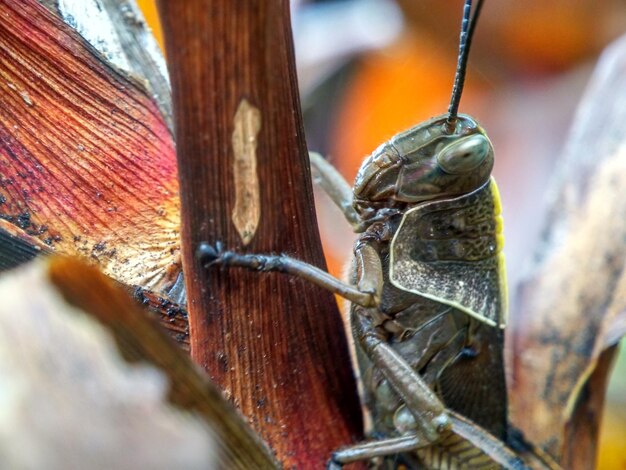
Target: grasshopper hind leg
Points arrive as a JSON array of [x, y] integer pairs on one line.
[[430, 414], [439, 437]]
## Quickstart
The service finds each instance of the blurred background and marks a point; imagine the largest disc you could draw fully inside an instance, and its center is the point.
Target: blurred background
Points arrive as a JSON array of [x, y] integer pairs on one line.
[[369, 69]]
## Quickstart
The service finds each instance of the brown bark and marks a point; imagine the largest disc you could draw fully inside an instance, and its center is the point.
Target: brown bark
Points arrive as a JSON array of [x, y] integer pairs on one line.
[[275, 344]]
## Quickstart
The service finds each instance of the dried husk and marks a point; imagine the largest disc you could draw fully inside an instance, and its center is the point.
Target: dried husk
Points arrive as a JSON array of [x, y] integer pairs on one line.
[[571, 310]]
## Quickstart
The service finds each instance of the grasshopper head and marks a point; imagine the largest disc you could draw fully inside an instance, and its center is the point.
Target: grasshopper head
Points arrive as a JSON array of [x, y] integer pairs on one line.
[[429, 161]]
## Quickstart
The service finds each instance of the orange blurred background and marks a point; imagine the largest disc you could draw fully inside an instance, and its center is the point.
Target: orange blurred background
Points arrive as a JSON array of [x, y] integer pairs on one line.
[[528, 68]]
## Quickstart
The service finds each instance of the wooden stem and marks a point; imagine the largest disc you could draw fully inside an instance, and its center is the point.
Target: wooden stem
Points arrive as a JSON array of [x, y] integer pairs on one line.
[[275, 344]]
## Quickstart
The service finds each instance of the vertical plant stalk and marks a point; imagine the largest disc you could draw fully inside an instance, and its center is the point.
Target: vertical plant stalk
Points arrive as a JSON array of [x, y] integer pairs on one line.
[[274, 344]]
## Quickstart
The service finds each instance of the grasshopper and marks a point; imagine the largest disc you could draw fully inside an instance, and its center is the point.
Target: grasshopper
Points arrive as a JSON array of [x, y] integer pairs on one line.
[[427, 291]]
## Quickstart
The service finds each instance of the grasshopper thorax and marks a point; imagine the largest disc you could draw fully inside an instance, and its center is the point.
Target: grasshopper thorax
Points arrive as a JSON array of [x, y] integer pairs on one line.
[[427, 162]]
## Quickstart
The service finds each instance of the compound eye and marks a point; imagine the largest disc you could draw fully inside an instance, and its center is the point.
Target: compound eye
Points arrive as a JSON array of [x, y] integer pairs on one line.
[[464, 155]]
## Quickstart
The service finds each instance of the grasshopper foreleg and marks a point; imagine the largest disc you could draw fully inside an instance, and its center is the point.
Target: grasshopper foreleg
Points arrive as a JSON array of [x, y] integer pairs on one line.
[[367, 295], [372, 449]]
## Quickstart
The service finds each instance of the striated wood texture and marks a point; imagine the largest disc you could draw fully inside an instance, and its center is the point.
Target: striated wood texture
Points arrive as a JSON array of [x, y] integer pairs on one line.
[[275, 344]]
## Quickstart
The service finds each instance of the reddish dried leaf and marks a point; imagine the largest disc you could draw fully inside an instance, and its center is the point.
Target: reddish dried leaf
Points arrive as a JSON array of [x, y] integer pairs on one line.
[[17, 247], [171, 316], [87, 163]]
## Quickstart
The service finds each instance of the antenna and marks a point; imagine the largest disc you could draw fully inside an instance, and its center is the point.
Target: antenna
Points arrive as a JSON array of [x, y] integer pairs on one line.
[[467, 31]]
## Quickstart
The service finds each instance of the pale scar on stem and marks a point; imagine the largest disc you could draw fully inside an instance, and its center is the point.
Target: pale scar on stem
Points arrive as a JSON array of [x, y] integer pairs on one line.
[[247, 210]]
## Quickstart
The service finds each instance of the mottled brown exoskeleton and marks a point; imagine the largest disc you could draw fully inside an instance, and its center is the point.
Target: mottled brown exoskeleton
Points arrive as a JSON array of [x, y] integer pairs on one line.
[[428, 292]]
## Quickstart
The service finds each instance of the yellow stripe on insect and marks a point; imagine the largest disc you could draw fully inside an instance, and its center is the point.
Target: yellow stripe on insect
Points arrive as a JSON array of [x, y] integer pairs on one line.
[[499, 232]]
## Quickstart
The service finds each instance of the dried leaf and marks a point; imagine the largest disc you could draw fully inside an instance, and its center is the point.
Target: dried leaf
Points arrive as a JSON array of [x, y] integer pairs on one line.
[[119, 33], [73, 370], [172, 317], [71, 401], [572, 309], [17, 247], [87, 163]]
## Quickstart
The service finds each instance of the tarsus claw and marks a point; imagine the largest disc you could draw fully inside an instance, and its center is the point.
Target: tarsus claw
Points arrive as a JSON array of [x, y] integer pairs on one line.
[[208, 254]]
